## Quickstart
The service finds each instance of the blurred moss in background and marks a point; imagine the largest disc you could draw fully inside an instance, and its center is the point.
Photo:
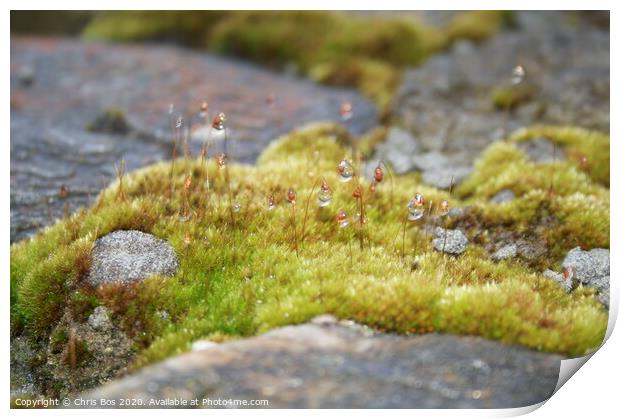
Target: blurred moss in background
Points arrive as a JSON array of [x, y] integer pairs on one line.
[[366, 51]]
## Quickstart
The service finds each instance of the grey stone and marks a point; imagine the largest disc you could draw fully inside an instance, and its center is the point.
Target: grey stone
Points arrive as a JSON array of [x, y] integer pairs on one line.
[[127, 256], [541, 150], [603, 297], [566, 284], [99, 319], [398, 149], [337, 365], [587, 265], [530, 250], [506, 252], [449, 241], [503, 196], [430, 160], [456, 212], [443, 177]]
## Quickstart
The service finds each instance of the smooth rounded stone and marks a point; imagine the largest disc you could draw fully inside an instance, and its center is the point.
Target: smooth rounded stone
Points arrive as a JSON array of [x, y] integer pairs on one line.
[[444, 177], [449, 241], [100, 319], [506, 252], [398, 149], [542, 150], [503, 196], [587, 265], [128, 256], [326, 364], [567, 285]]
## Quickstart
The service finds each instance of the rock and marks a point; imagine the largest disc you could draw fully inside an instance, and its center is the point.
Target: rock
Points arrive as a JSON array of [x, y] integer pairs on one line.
[[530, 250], [456, 212], [329, 364], [567, 283], [449, 241], [444, 177], [128, 256], [588, 266], [201, 345], [398, 149], [25, 75], [430, 160], [541, 150], [101, 354], [603, 296], [503, 196], [99, 319], [505, 252]]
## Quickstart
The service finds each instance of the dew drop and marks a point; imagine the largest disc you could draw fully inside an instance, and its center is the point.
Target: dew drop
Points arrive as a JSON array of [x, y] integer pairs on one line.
[[346, 111], [518, 73], [222, 159], [325, 195], [291, 196], [179, 123], [271, 203], [236, 207], [218, 121], [345, 170], [342, 219]]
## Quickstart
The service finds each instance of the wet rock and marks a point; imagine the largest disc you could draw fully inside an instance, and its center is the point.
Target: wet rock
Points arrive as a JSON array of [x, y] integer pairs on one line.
[[449, 241], [398, 149], [330, 364], [444, 177], [503, 196], [127, 256], [447, 103], [99, 319], [541, 150], [505, 252]]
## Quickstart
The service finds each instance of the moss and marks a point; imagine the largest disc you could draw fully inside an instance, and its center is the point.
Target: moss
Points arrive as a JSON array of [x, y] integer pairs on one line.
[[240, 279], [112, 121], [478, 25], [511, 97], [570, 202]]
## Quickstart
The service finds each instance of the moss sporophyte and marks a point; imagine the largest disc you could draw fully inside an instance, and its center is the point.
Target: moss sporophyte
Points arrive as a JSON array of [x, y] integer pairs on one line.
[[243, 278]]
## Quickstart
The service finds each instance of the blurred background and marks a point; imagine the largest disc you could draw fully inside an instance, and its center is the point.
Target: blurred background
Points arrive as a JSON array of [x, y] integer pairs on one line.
[[91, 89]]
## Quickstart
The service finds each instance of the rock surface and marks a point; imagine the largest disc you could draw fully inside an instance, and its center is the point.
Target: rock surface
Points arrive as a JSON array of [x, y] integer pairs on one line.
[[503, 196], [505, 252], [330, 364], [449, 241], [61, 87], [127, 256], [591, 269], [447, 103]]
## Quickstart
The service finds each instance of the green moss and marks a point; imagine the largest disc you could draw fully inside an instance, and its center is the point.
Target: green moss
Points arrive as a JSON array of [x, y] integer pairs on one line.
[[477, 25], [242, 279], [511, 97], [570, 201], [112, 120]]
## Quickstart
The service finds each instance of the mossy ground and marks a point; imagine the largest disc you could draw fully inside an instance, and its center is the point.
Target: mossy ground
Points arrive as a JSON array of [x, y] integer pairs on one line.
[[245, 278], [332, 48]]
